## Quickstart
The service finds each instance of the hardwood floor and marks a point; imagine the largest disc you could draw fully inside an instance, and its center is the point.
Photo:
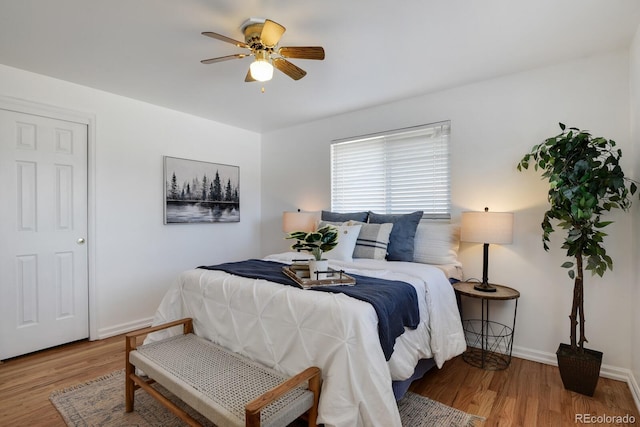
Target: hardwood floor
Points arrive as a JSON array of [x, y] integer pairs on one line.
[[27, 381], [525, 394]]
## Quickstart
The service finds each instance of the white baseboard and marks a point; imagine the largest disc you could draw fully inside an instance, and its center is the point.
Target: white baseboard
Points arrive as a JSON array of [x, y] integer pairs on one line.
[[606, 371], [123, 328], [535, 355], [635, 390]]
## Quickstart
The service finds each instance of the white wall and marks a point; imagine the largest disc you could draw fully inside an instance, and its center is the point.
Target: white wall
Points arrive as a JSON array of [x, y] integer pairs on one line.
[[137, 258], [634, 73], [493, 124]]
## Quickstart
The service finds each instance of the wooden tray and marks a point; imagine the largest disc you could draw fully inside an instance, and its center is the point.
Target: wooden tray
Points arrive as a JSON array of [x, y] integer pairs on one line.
[[300, 273]]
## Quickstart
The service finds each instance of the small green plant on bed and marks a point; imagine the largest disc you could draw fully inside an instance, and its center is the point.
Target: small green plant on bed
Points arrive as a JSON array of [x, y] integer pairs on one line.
[[316, 242]]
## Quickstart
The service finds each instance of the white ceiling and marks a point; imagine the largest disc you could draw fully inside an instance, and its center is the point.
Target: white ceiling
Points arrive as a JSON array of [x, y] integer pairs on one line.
[[377, 51]]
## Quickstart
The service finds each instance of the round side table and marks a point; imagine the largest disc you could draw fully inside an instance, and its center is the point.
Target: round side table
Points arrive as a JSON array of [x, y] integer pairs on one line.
[[489, 343]]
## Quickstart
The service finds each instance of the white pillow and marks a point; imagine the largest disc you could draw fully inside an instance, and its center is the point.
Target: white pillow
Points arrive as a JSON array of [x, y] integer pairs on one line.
[[347, 236], [436, 243]]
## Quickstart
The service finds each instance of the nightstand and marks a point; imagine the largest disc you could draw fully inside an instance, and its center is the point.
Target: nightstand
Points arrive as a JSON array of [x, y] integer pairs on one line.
[[489, 343]]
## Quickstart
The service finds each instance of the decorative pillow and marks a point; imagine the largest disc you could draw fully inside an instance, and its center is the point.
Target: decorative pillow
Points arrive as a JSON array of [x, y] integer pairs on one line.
[[402, 235], [373, 240], [436, 243], [344, 217], [347, 235]]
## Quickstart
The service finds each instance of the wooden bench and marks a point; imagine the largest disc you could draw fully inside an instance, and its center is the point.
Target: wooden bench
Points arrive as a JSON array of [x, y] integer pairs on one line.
[[225, 387]]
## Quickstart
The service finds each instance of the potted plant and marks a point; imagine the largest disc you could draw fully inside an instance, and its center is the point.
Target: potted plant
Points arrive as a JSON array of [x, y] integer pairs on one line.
[[586, 181], [316, 242]]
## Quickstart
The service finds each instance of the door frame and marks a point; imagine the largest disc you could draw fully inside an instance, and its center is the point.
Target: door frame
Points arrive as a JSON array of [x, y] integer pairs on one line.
[[89, 119]]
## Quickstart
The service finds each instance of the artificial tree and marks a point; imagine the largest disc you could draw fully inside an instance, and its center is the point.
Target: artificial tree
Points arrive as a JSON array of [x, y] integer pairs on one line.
[[586, 181]]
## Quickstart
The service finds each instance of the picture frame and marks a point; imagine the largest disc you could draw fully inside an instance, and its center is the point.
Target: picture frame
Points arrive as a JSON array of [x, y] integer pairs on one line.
[[200, 192]]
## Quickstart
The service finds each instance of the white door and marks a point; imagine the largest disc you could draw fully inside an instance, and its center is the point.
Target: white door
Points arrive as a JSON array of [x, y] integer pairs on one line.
[[43, 226]]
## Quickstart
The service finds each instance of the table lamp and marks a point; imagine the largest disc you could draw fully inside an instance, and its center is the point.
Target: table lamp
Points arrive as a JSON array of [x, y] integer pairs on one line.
[[298, 221], [486, 228]]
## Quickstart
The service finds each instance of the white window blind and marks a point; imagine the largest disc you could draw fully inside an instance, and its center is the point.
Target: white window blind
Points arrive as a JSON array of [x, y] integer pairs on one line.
[[393, 172]]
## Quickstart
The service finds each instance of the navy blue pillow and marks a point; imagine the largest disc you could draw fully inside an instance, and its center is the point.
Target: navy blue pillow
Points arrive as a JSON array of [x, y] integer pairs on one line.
[[402, 235], [344, 217]]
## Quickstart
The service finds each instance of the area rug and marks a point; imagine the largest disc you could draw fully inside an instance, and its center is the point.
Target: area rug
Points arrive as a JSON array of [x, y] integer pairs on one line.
[[100, 402]]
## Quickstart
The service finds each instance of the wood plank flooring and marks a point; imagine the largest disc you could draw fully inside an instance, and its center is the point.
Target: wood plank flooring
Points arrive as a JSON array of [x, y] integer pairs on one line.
[[526, 394], [27, 381]]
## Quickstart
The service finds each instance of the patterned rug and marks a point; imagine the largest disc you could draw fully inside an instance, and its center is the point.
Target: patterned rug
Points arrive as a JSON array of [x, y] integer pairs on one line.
[[100, 402]]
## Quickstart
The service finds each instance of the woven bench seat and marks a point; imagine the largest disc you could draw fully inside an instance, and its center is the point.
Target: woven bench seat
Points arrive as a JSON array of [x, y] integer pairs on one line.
[[225, 387]]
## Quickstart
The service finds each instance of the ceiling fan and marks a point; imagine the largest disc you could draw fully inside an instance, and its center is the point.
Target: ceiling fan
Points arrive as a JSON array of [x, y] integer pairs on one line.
[[261, 38]]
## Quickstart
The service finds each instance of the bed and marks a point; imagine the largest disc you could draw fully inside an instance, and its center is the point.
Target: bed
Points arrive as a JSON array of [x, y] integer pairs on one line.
[[289, 329]]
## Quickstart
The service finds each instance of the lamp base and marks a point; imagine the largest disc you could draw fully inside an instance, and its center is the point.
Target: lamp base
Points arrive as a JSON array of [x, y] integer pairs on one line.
[[484, 287]]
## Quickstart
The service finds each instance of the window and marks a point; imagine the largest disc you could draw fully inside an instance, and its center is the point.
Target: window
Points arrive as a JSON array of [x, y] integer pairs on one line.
[[393, 172]]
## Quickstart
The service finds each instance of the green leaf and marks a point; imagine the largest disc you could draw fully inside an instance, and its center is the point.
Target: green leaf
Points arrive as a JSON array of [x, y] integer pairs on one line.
[[602, 224], [567, 264], [299, 235], [609, 261], [313, 237]]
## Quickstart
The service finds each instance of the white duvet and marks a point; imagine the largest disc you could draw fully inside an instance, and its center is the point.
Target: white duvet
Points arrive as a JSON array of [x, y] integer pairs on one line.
[[291, 329]]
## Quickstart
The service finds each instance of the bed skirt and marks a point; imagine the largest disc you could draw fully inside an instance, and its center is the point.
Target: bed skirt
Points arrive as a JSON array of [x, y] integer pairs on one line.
[[401, 387]]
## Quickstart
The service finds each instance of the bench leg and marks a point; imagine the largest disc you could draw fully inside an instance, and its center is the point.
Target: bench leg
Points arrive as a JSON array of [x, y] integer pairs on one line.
[[131, 343], [183, 415], [314, 386], [129, 387], [129, 391]]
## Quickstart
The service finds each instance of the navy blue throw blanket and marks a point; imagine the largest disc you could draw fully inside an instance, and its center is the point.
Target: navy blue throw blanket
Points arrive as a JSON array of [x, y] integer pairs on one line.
[[395, 302]]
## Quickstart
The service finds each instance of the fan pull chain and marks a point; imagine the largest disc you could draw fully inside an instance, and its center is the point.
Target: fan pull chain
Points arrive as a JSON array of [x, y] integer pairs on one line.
[[262, 89]]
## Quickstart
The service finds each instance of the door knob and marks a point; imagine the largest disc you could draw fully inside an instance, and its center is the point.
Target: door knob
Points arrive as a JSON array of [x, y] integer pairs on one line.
[[80, 241]]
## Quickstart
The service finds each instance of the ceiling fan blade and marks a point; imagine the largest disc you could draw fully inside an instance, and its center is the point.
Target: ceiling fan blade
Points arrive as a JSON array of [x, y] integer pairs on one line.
[[271, 33], [225, 39], [302, 52], [249, 78], [224, 58], [296, 73]]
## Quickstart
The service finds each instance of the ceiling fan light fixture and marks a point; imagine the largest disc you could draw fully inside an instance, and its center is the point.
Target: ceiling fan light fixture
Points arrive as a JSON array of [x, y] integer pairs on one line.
[[261, 38], [261, 69]]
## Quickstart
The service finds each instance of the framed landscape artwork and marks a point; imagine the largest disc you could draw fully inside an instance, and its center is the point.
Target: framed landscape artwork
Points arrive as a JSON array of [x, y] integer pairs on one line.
[[200, 192]]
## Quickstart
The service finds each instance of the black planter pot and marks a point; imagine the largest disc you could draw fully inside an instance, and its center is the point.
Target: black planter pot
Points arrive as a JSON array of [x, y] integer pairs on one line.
[[579, 370]]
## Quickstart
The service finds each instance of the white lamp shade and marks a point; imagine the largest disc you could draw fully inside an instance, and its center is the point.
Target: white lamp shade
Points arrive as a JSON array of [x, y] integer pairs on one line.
[[487, 227], [261, 70], [298, 221]]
